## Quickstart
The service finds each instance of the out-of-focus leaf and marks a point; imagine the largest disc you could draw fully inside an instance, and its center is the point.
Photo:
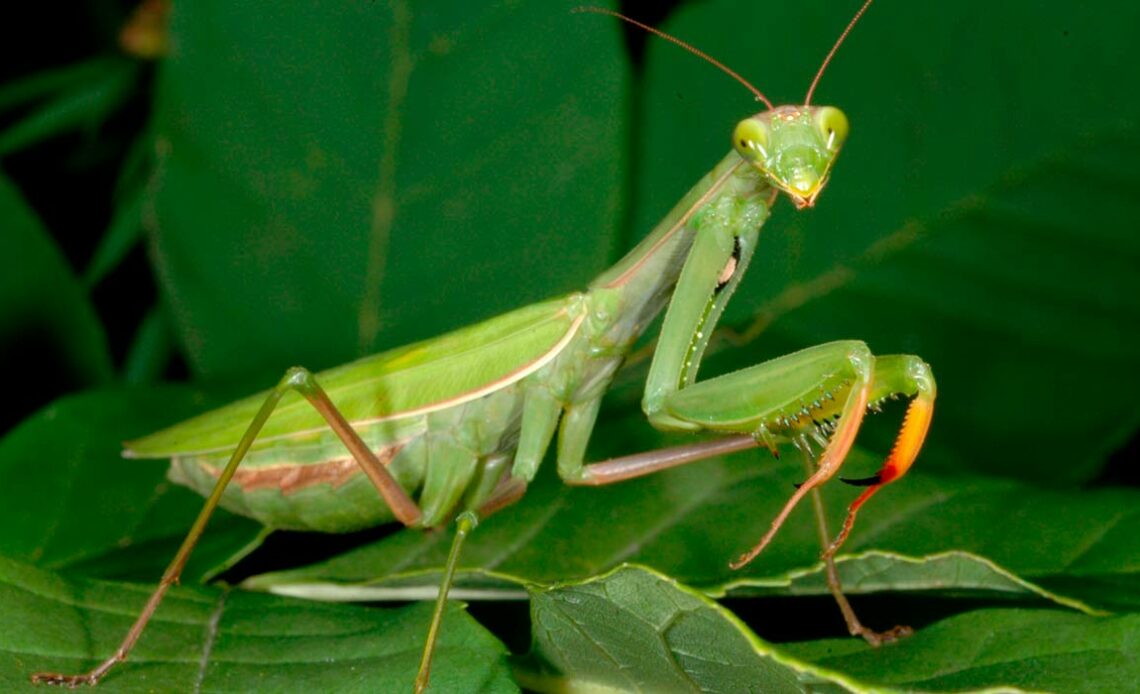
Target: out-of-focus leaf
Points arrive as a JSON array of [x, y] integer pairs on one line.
[[70, 500], [44, 83], [43, 309], [984, 223], [124, 231], [84, 104], [211, 640], [340, 177], [151, 349]]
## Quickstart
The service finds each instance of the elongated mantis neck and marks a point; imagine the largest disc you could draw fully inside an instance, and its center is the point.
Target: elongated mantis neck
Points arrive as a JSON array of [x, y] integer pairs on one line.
[[646, 276], [649, 259]]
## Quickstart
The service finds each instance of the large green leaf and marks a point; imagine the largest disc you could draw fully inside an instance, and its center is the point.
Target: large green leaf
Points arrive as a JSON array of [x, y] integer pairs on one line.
[[70, 500], [1032, 650], [982, 214], [212, 640], [689, 523], [634, 630], [341, 177]]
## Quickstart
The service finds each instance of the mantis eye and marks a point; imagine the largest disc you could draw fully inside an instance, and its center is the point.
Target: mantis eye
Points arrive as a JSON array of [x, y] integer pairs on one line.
[[751, 140], [832, 125]]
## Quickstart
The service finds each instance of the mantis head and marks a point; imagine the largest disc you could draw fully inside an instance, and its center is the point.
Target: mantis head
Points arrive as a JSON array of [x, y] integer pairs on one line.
[[794, 147]]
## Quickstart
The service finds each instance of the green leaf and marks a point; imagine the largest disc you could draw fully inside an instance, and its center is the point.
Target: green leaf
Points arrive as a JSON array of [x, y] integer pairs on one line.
[[151, 349], [72, 502], [122, 234], [80, 104], [368, 166], [635, 630], [954, 573], [1033, 650], [212, 640], [690, 522], [46, 82], [43, 308], [981, 215]]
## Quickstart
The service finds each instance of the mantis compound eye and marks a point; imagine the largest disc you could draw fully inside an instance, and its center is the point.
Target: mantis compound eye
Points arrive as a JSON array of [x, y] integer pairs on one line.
[[751, 140], [832, 124]]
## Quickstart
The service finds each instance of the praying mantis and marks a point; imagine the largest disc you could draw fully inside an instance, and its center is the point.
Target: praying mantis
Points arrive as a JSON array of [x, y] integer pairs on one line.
[[455, 428]]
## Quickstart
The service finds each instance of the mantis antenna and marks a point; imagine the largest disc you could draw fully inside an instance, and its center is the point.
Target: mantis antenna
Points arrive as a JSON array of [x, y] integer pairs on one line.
[[838, 42], [695, 51]]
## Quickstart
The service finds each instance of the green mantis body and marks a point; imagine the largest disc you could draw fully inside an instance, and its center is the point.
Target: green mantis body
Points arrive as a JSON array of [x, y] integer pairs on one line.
[[460, 424]]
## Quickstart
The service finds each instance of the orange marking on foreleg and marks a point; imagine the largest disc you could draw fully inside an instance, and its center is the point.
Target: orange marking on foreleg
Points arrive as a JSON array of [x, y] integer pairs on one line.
[[911, 436], [829, 463], [909, 442]]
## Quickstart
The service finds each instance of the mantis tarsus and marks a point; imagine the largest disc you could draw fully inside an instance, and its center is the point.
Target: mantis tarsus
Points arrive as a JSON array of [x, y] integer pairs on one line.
[[455, 428]]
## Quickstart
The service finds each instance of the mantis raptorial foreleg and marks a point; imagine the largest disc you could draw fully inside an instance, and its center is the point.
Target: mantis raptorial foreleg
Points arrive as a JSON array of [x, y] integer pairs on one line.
[[780, 396]]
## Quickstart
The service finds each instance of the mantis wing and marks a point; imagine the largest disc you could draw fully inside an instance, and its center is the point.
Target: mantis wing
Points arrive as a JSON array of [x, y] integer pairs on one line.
[[400, 383]]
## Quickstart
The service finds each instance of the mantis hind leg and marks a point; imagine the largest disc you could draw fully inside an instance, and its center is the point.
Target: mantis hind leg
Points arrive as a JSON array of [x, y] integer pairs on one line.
[[301, 380]]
